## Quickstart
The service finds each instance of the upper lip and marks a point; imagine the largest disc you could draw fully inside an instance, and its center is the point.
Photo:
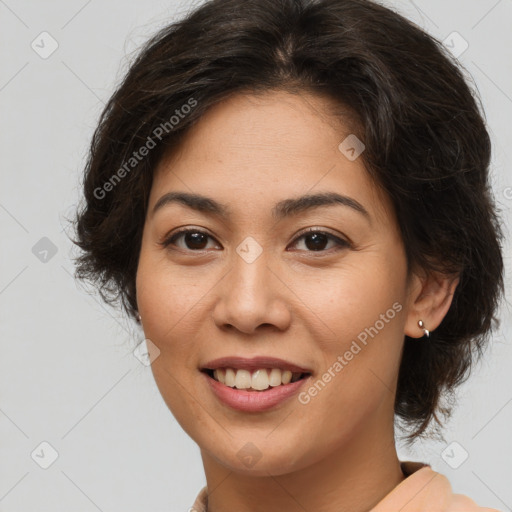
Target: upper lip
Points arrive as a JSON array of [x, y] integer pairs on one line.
[[254, 363]]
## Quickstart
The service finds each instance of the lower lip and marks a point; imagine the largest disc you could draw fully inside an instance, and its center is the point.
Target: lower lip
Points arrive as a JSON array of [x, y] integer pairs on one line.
[[254, 401]]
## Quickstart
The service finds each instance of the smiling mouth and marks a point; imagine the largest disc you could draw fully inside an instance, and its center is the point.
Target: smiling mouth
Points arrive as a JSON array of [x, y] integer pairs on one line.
[[259, 380]]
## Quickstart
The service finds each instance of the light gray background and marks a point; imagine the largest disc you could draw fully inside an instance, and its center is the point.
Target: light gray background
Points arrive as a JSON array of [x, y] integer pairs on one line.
[[67, 372]]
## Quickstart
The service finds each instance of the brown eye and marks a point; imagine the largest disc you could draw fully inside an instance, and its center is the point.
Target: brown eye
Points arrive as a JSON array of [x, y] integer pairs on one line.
[[317, 241], [191, 239]]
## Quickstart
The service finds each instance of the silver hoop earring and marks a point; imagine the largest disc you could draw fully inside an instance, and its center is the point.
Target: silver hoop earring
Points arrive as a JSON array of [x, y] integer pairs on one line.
[[421, 325]]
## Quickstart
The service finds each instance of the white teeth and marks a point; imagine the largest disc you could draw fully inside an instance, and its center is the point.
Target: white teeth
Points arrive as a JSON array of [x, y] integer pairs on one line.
[[259, 379], [220, 375], [230, 377], [242, 379], [275, 377]]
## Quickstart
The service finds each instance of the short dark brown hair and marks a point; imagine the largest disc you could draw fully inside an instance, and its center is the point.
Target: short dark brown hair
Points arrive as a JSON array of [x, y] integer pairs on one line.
[[426, 145]]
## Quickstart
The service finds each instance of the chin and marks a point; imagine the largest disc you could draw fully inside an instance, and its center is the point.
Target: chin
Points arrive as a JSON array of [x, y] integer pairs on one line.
[[260, 459]]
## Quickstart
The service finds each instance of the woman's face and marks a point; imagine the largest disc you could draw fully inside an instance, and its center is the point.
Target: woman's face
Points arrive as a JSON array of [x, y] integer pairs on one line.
[[249, 280]]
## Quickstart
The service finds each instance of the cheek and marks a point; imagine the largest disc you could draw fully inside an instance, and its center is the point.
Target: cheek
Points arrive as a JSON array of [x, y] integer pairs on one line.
[[362, 306], [162, 304], [166, 300], [168, 297], [354, 296]]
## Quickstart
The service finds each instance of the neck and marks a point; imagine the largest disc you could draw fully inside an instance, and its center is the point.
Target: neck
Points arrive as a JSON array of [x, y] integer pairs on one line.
[[353, 477]]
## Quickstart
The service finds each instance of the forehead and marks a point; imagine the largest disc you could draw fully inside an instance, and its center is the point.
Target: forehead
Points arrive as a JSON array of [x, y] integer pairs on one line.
[[253, 151], [271, 124]]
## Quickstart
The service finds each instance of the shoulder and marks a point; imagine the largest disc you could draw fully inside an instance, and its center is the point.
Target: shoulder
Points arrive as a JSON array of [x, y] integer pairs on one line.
[[425, 490], [201, 501], [461, 503]]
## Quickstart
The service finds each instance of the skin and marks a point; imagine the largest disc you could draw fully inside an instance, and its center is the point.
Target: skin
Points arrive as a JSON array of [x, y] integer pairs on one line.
[[200, 302]]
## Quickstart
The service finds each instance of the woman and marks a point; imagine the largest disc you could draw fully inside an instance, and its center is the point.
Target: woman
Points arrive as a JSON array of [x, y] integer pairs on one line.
[[292, 198]]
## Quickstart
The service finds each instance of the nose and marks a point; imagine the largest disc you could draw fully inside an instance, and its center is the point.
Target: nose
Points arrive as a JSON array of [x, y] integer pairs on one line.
[[252, 297]]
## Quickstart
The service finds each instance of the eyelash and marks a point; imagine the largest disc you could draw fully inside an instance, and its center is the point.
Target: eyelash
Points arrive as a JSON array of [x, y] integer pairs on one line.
[[342, 244]]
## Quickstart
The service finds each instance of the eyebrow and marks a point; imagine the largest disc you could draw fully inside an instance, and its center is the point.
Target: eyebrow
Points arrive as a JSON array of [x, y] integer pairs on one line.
[[282, 209]]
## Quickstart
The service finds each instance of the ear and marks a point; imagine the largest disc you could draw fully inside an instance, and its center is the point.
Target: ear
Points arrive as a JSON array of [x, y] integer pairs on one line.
[[429, 299]]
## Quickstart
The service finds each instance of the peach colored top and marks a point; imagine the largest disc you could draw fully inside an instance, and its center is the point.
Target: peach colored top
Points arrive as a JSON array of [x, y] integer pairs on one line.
[[423, 490]]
